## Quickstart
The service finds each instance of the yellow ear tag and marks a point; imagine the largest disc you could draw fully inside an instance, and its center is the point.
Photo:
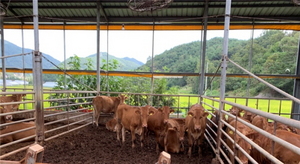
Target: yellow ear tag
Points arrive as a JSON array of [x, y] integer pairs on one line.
[[190, 115], [171, 112], [226, 117], [230, 132], [151, 114], [288, 129]]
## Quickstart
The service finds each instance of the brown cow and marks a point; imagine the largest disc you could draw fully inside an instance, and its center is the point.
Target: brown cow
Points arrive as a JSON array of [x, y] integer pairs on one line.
[[279, 126], [260, 121], [234, 111], [280, 152], [195, 123], [12, 98], [17, 136], [248, 116], [105, 104], [157, 121], [173, 138], [239, 140], [111, 125], [134, 119]]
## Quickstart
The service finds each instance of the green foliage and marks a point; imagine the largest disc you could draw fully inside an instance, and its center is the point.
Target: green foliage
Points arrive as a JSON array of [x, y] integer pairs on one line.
[[83, 82], [274, 52]]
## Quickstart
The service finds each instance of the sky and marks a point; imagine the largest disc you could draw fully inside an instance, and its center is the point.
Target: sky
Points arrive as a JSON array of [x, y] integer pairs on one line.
[[122, 43]]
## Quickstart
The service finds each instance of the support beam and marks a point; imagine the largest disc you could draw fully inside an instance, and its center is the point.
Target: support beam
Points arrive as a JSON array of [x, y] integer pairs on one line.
[[37, 79], [296, 107]]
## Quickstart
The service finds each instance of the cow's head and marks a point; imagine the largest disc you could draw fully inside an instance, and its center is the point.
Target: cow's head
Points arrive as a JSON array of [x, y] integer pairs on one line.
[[165, 111], [235, 111], [122, 98], [198, 119], [6, 109], [145, 112]]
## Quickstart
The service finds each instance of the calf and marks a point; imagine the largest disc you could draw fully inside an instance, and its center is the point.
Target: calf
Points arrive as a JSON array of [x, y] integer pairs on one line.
[[234, 111], [17, 136], [156, 122], [260, 121], [173, 140], [280, 152], [111, 125], [248, 116], [105, 104], [12, 98], [195, 123], [134, 119], [245, 130]]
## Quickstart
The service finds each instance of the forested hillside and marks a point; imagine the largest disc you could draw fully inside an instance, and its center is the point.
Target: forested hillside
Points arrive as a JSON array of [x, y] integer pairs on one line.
[[274, 52], [17, 62]]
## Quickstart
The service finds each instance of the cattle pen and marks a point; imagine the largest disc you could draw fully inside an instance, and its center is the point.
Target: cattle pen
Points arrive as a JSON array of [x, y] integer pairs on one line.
[[68, 114]]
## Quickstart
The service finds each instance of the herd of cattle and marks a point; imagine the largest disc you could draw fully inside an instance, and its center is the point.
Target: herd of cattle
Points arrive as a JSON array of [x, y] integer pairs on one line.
[[169, 132], [172, 133]]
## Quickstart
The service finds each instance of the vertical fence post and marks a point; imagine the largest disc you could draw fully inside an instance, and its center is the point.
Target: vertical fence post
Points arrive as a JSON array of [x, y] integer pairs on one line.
[[223, 74], [296, 106], [37, 79]]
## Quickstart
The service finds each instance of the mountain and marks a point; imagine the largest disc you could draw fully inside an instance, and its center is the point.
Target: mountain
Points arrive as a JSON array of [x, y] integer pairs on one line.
[[126, 63], [17, 61]]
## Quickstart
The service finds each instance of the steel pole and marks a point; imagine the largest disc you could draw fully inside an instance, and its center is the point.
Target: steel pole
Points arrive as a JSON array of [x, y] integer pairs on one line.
[[98, 48], [223, 74], [37, 76], [296, 106]]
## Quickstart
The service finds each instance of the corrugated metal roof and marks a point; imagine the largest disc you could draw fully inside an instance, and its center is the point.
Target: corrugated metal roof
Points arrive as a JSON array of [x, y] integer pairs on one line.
[[179, 12]]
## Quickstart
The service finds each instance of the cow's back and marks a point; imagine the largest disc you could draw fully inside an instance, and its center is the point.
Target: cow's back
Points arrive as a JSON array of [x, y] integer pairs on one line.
[[106, 104], [20, 135]]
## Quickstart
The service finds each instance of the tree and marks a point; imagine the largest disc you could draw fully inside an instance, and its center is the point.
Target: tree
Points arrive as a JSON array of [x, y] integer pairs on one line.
[[83, 82]]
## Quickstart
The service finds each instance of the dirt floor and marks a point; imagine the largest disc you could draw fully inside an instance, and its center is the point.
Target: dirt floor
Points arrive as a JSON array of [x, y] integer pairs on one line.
[[96, 145]]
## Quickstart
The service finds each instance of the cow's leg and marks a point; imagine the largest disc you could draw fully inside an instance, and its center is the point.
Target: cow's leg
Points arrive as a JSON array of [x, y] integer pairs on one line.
[[118, 132], [123, 134], [142, 136], [190, 142], [97, 119], [157, 136], [132, 130]]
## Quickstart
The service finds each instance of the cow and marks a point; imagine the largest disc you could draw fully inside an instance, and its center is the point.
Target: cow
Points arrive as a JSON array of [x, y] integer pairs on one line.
[[9, 107], [245, 130], [278, 126], [248, 116], [19, 135], [105, 104], [260, 121], [280, 152], [156, 122], [111, 125], [12, 98], [6, 109], [195, 123], [173, 137], [234, 111], [134, 119]]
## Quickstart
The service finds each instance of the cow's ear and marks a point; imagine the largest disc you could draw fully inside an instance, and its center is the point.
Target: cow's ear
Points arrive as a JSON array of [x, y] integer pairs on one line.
[[172, 111], [151, 113], [205, 114], [252, 135], [191, 114], [160, 109], [138, 111]]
